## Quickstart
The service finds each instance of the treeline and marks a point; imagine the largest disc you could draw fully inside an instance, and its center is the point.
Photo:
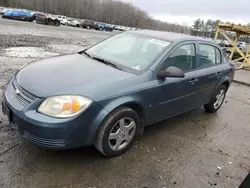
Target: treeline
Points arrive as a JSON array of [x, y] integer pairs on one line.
[[207, 28], [107, 11]]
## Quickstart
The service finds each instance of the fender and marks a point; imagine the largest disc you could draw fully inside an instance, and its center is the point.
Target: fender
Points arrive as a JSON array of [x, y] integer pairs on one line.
[[110, 105], [225, 78], [126, 100], [99, 119]]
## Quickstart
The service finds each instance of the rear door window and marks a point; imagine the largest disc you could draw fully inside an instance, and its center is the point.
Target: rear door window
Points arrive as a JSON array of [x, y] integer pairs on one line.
[[207, 56]]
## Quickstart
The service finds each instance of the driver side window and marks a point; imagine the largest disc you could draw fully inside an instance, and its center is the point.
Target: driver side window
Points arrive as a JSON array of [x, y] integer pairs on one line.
[[183, 57]]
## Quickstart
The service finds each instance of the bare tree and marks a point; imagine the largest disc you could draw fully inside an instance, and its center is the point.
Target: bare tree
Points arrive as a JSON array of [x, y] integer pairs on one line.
[[108, 11]]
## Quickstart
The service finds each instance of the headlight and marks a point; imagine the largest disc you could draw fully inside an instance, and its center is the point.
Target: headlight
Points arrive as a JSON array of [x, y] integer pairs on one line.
[[64, 106]]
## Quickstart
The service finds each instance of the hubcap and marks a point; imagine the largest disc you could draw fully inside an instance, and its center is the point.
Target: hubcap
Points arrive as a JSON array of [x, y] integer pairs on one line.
[[122, 133], [219, 99]]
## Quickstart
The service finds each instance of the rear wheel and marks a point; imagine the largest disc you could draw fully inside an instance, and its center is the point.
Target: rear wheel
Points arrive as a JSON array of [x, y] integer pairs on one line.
[[217, 100], [118, 132], [51, 22], [57, 23]]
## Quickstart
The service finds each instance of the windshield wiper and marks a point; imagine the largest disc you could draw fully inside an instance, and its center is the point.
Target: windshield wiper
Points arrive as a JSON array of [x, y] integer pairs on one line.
[[101, 60], [106, 62]]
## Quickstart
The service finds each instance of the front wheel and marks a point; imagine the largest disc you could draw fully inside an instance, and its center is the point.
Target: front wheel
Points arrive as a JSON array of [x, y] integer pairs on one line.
[[217, 100], [118, 132]]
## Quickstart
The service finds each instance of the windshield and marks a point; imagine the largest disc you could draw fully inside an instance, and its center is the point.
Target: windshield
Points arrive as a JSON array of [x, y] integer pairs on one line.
[[132, 51]]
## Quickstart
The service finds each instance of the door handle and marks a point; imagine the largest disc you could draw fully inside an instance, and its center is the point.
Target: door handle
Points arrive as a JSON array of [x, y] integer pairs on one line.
[[193, 81], [219, 73]]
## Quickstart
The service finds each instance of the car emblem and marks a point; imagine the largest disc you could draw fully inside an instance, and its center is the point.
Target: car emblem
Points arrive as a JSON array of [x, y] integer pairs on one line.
[[17, 92]]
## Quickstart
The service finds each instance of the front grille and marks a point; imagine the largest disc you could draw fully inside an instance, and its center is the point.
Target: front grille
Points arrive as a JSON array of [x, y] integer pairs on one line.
[[23, 96], [51, 143]]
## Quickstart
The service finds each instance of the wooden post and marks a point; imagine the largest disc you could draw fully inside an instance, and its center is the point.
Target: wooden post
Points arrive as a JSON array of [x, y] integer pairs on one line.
[[235, 42], [217, 33]]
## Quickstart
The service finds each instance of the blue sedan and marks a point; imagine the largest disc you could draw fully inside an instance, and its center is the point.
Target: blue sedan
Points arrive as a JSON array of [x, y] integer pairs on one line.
[[106, 94], [19, 15]]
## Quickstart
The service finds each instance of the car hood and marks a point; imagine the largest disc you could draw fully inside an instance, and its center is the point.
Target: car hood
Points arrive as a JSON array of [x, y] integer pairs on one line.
[[57, 75]]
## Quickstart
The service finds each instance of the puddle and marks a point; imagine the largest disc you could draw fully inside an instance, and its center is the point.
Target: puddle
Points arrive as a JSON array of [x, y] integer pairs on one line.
[[28, 52]]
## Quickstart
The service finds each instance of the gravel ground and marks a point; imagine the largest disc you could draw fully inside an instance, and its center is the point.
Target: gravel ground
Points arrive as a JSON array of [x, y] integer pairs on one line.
[[192, 150]]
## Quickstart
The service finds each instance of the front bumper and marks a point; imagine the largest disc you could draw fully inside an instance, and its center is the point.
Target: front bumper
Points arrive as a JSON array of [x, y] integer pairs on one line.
[[49, 132]]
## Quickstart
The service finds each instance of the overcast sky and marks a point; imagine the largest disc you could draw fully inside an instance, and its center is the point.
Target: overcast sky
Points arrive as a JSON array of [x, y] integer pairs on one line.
[[185, 11]]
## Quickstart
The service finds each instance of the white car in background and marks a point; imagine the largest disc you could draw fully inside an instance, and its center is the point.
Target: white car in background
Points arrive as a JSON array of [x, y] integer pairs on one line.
[[63, 19], [72, 22], [4, 10]]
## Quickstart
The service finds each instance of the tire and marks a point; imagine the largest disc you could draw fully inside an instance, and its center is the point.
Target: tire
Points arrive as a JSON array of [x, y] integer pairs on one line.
[[88, 27], [215, 104], [51, 22], [117, 146], [57, 23]]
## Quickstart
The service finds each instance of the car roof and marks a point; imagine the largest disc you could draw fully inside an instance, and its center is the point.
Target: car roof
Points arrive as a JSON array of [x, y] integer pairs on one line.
[[169, 36]]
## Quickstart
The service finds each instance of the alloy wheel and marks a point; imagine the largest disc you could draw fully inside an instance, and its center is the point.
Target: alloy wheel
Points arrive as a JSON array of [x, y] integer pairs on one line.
[[219, 99], [122, 134]]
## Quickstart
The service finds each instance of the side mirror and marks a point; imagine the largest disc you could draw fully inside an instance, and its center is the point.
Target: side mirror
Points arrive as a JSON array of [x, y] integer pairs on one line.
[[171, 71]]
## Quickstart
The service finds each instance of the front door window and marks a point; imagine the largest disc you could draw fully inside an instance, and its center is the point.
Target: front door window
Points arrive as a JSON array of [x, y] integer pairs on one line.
[[183, 58]]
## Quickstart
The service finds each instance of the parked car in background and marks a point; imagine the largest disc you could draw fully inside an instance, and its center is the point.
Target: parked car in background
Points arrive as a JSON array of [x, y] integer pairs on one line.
[[42, 18], [3, 10], [221, 43], [244, 48], [236, 54], [106, 95], [118, 28], [63, 19], [72, 22], [241, 44], [88, 24], [19, 15], [104, 27]]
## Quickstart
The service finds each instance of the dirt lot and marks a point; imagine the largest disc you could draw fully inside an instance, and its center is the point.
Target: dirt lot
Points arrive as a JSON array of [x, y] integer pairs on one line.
[[195, 150]]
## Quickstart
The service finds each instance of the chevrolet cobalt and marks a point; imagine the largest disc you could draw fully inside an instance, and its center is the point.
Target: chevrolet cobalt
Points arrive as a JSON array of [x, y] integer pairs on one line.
[[105, 95]]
